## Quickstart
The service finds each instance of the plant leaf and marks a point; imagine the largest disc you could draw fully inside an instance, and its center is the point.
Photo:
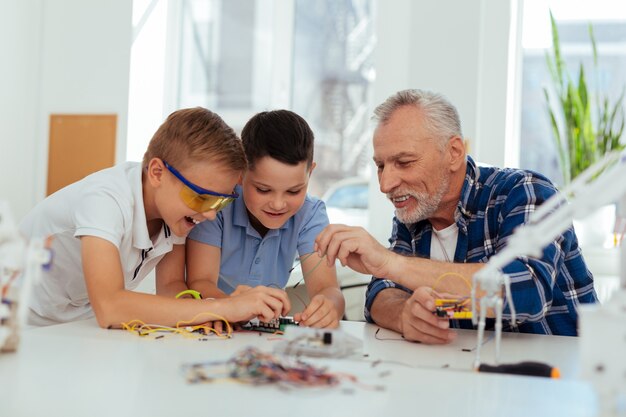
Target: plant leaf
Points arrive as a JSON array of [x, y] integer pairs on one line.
[[579, 141]]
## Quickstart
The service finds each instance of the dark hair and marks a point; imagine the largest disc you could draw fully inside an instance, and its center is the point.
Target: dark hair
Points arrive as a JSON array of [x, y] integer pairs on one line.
[[196, 135], [279, 134]]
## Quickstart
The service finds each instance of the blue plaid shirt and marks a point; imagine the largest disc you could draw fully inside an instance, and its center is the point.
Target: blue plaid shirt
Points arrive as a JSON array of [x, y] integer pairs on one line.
[[547, 291]]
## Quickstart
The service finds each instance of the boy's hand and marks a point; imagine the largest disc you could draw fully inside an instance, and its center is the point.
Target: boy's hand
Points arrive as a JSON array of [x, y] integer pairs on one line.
[[240, 290], [262, 302], [355, 248], [320, 313], [219, 326]]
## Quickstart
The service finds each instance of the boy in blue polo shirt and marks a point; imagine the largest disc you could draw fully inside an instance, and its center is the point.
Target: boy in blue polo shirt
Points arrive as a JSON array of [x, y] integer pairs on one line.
[[254, 241]]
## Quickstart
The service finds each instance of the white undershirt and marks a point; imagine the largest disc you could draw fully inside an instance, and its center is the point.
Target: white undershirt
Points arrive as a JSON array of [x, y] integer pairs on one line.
[[443, 243]]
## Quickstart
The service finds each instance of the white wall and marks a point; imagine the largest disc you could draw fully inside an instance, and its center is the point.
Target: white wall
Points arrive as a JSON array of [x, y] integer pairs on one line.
[[20, 41], [459, 48], [66, 56]]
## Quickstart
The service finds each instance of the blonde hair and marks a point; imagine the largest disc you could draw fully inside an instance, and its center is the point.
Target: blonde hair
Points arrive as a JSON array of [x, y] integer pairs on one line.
[[196, 135]]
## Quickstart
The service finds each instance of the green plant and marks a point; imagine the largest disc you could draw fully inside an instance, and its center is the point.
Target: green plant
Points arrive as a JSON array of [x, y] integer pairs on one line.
[[579, 141]]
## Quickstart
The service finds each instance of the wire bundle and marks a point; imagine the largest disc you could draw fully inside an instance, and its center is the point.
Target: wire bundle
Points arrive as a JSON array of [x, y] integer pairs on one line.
[[251, 366], [182, 327]]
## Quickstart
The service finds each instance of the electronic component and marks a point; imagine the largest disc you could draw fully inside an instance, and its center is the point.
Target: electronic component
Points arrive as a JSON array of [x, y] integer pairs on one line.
[[452, 308], [273, 326], [308, 341], [602, 327], [20, 267]]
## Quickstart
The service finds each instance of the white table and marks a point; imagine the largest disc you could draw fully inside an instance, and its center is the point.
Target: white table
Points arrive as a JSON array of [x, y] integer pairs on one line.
[[78, 369]]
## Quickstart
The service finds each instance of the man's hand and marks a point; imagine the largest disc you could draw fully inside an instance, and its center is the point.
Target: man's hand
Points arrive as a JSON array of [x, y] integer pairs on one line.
[[419, 324], [355, 248], [320, 313]]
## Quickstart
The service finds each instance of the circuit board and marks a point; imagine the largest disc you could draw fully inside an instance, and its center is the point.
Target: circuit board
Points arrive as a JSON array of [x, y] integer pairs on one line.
[[273, 326], [452, 308]]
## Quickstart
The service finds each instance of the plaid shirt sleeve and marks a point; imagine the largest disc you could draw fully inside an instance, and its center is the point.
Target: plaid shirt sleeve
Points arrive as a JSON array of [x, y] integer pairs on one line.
[[400, 243], [533, 280]]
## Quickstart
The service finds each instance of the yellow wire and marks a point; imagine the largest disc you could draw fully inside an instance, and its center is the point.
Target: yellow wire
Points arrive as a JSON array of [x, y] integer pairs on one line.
[[195, 294], [144, 329], [207, 313], [465, 280]]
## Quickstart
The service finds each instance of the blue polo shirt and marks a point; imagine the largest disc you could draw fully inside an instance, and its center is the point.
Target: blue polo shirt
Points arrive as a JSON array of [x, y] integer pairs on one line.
[[249, 259]]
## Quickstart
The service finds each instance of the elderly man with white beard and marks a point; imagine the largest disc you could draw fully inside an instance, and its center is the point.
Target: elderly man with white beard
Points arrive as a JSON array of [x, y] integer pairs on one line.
[[451, 216]]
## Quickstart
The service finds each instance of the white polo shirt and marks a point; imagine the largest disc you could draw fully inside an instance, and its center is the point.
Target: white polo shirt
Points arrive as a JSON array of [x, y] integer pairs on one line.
[[107, 204]]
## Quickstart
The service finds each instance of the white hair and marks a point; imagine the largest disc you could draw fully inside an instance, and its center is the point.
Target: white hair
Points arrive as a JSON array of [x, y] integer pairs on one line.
[[441, 117]]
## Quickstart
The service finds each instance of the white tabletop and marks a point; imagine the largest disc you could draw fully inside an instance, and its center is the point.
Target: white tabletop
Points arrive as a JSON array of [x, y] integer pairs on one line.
[[78, 369]]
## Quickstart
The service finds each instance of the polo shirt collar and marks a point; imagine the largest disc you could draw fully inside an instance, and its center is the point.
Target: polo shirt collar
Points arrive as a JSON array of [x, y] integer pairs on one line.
[[241, 218]]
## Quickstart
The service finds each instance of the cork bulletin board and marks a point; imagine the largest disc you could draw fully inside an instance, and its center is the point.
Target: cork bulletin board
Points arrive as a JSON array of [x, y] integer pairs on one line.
[[78, 146]]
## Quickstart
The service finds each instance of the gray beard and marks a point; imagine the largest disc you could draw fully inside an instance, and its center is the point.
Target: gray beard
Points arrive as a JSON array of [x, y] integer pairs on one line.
[[426, 207]]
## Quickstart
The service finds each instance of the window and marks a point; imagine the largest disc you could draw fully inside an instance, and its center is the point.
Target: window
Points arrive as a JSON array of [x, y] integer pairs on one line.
[[333, 72], [239, 57], [349, 195], [538, 151], [347, 202], [233, 57]]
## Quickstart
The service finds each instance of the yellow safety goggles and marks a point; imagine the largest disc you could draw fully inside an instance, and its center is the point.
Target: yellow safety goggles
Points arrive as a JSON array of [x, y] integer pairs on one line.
[[197, 198]]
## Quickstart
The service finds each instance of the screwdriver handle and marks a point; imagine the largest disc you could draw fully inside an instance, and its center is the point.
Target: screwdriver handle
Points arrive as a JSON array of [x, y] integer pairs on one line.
[[523, 368]]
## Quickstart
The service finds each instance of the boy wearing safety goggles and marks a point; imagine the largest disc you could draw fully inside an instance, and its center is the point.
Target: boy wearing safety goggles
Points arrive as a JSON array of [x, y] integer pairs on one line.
[[113, 227], [254, 241]]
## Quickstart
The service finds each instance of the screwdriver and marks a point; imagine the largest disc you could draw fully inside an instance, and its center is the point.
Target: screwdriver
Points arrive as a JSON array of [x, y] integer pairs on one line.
[[528, 368]]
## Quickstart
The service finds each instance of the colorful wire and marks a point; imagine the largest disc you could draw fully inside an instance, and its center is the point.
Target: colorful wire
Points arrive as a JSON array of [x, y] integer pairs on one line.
[[251, 366]]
